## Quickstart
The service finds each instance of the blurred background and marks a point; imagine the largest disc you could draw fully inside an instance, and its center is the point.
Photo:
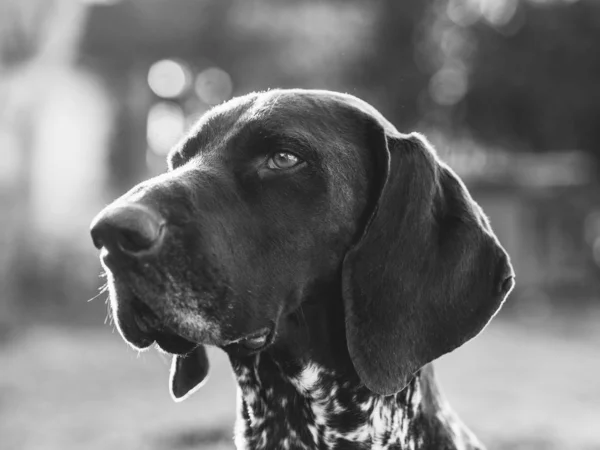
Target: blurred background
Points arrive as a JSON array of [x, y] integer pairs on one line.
[[93, 94]]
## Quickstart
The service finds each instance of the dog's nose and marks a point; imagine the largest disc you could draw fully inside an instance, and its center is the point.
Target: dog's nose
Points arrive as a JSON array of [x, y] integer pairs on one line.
[[133, 229]]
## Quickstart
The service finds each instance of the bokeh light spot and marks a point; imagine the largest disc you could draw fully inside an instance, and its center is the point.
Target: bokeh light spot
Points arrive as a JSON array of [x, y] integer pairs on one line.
[[498, 13], [168, 78], [448, 86], [462, 12], [166, 124], [214, 86]]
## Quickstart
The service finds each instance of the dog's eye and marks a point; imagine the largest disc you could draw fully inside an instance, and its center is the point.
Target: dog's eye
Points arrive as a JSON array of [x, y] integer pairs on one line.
[[283, 160]]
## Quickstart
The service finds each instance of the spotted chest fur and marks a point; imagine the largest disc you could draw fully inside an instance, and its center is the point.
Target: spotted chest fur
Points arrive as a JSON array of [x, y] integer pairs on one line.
[[309, 407]]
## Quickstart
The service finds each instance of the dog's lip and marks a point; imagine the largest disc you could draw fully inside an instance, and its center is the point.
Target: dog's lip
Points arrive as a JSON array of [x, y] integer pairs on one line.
[[177, 345], [142, 324], [173, 343], [139, 341], [151, 331], [257, 340]]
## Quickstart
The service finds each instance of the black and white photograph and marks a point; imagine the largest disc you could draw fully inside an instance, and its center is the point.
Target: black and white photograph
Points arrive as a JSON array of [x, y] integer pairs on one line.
[[299, 224]]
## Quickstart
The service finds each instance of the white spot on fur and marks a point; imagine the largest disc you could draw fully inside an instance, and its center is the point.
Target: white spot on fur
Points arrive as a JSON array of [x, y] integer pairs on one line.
[[308, 379], [313, 432]]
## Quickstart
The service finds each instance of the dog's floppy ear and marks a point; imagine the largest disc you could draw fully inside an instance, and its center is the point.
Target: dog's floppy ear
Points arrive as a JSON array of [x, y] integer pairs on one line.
[[188, 373], [428, 272]]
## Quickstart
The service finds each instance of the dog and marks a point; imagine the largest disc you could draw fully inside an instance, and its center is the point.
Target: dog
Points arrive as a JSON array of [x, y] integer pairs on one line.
[[330, 256]]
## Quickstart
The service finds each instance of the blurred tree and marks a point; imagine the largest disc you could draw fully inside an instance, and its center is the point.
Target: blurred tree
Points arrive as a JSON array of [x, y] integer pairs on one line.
[[388, 74], [516, 73], [531, 72], [120, 42], [537, 86]]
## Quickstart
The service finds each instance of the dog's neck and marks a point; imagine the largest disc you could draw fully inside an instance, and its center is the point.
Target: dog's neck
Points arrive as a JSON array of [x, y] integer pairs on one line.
[[288, 406], [303, 393]]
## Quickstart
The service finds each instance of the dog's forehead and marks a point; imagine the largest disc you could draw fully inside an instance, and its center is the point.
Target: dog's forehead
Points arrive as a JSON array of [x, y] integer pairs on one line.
[[267, 107], [315, 116], [309, 106], [298, 110]]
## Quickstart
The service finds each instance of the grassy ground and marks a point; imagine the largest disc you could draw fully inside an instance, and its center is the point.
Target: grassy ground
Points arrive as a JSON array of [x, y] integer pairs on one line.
[[520, 385]]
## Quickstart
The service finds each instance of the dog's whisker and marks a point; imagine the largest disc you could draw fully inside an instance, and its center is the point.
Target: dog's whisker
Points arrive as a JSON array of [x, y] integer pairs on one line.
[[109, 315], [102, 290]]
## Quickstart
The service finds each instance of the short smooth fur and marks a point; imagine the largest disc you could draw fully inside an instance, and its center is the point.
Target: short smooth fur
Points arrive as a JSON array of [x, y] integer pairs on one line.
[[332, 284]]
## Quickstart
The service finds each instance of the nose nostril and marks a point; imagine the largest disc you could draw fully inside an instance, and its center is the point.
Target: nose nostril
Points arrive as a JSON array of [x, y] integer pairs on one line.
[[97, 240], [135, 242], [507, 284], [130, 229]]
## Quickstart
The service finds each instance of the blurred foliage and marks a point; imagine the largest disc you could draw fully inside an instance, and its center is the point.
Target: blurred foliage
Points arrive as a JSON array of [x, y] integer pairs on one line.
[[534, 83], [389, 73], [530, 70]]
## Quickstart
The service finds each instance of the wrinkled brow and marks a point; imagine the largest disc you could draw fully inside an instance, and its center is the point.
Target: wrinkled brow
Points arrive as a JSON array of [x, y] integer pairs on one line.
[[260, 138], [294, 143]]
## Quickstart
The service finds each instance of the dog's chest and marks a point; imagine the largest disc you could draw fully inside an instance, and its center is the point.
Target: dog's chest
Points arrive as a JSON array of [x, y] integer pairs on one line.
[[313, 409]]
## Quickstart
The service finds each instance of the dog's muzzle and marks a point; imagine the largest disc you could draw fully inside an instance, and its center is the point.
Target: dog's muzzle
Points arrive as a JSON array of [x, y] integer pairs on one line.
[[128, 234]]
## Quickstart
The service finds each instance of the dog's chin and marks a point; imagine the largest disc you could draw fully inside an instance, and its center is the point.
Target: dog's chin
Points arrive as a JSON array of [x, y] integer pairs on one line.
[[141, 328], [133, 332], [165, 340], [174, 344]]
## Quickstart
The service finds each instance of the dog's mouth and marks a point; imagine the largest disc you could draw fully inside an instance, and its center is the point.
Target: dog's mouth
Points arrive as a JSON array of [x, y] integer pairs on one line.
[[254, 342], [142, 327]]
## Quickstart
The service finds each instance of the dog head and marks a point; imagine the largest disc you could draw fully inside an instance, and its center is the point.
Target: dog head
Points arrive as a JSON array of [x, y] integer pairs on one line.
[[276, 193]]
